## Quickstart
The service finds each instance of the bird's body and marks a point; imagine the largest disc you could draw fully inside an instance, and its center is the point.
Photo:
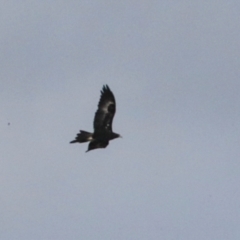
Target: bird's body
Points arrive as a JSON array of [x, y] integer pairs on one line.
[[102, 123]]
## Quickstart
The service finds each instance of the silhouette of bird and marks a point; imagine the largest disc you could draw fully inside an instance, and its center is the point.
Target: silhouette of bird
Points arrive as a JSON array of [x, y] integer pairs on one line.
[[102, 123]]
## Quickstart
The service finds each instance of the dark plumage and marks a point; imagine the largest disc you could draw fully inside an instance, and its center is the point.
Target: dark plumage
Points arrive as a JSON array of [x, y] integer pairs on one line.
[[102, 123]]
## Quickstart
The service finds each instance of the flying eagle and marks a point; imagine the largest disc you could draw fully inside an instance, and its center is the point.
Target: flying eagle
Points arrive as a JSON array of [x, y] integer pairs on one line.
[[102, 123]]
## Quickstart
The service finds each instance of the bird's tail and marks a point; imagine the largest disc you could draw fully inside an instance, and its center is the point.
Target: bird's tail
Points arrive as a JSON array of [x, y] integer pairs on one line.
[[82, 137]]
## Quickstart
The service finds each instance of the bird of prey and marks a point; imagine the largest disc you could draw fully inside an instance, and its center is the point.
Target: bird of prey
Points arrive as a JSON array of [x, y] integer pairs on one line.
[[102, 123]]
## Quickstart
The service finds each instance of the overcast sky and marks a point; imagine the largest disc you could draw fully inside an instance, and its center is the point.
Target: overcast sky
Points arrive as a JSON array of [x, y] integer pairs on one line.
[[174, 67]]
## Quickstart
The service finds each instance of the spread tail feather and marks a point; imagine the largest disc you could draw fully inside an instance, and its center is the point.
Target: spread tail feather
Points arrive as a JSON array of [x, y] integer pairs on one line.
[[82, 137]]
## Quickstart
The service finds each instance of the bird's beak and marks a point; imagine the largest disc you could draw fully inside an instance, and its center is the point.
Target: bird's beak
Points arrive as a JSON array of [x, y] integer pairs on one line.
[[120, 136]]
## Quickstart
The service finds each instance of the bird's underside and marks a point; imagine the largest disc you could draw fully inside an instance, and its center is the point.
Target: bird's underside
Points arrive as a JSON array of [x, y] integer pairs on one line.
[[102, 123], [94, 142]]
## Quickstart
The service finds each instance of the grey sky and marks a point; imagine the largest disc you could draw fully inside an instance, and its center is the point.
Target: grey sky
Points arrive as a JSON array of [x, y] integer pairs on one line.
[[174, 69]]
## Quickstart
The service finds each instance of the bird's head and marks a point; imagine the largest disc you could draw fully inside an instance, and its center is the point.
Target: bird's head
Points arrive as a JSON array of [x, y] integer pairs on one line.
[[116, 135]]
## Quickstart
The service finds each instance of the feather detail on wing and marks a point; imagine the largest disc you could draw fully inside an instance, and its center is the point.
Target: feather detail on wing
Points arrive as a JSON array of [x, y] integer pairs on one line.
[[106, 110]]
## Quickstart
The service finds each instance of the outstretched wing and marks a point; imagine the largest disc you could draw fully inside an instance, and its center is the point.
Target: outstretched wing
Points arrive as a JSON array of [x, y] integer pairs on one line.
[[96, 144], [106, 110]]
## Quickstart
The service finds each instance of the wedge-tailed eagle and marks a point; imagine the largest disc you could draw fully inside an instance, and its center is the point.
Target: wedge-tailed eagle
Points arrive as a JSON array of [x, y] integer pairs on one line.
[[102, 123]]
